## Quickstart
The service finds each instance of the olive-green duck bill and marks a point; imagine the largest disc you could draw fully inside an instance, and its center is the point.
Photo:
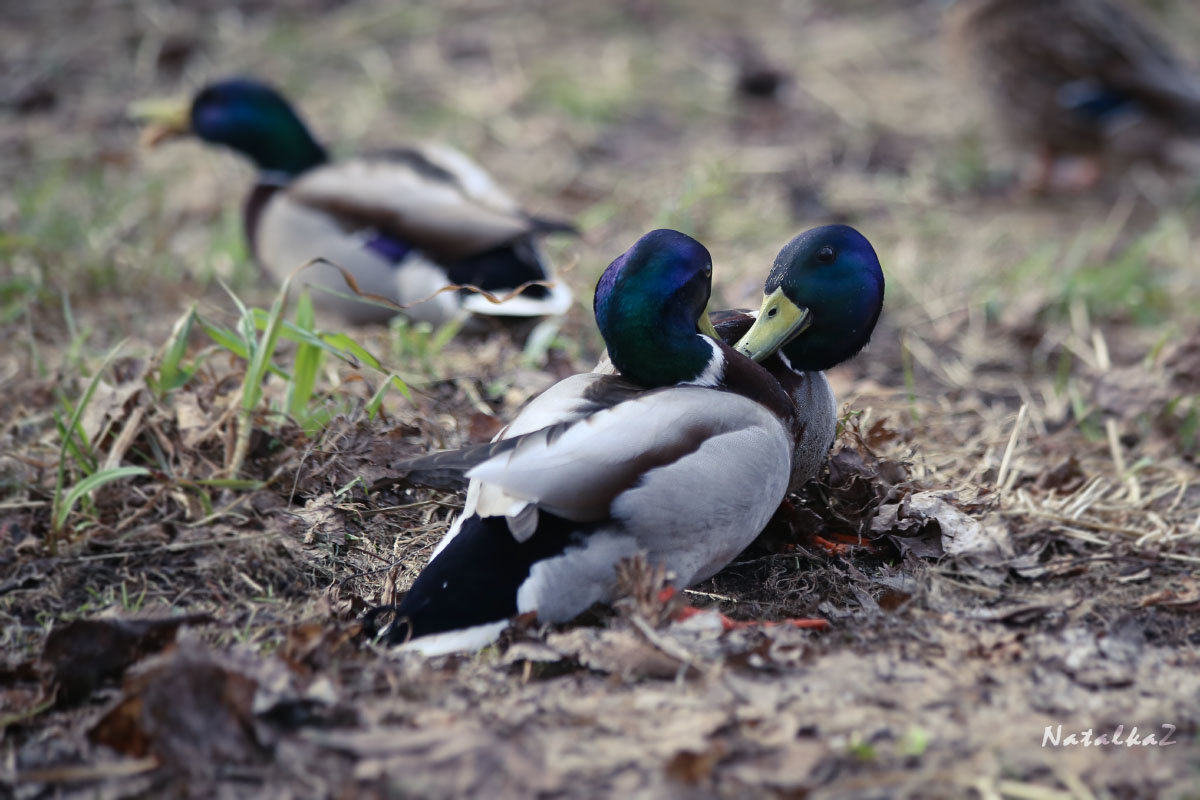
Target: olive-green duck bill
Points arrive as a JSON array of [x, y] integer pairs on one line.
[[704, 324], [779, 322], [165, 119]]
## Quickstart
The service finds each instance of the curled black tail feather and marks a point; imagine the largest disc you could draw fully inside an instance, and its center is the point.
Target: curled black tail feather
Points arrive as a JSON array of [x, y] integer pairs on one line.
[[546, 225], [475, 579]]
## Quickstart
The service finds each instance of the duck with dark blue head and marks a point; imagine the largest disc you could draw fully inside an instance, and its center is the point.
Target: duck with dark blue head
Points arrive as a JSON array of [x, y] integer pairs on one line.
[[683, 460], [404, 224], [821, 301]]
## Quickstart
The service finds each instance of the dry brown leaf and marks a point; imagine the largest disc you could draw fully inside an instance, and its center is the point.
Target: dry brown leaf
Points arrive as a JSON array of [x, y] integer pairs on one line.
[[787, 768], [482, 428], [961, 534], [322, 518], [189, 711], [689, 766], [621, 652], [1184, 598], [88, 653], [107, 406], [194, 423], [1064, 477]]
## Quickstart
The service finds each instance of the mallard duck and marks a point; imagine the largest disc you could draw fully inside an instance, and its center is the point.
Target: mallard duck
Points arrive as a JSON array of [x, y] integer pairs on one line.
[[1076, 77], [684, 458], [822, 299], [404, 223]]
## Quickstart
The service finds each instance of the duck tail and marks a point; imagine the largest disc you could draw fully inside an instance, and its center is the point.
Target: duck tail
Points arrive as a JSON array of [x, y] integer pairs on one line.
[[549, 225], [505, 268], [472, 582]]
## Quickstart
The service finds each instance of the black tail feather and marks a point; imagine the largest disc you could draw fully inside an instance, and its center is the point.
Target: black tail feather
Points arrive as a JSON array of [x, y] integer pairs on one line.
[[504, 267], [547, 225], [475, 579]]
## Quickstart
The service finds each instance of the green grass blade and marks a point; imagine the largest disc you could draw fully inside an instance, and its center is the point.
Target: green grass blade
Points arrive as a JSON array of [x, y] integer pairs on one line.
[[69, 434], [225, 338], [443, 335], [344, 343], [264, 350], [306, 365], [227, 483], [376, 400], [89, 484], [229, 340], [171, 373], [400, 386], [256, 371], [78, 446]]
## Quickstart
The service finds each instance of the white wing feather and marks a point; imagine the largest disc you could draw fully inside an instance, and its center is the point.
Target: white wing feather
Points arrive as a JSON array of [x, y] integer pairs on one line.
[[447, 218], [578, 472]]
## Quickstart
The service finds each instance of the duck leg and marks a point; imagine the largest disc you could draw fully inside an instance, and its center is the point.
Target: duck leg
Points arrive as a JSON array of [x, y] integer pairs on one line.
[[1037, 177], [1080, 174], [727, 624], [800, 533]]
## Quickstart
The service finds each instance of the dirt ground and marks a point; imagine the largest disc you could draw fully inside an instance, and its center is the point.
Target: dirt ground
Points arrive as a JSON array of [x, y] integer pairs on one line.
[[1004, 545]]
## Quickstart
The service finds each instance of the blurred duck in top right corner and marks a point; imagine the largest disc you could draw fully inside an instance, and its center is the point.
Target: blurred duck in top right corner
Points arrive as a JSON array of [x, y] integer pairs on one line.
[[1081, 78]]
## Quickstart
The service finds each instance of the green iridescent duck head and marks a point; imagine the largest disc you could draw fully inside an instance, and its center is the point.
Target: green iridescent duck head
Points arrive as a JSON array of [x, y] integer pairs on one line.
[[245, 115], [650, 307]]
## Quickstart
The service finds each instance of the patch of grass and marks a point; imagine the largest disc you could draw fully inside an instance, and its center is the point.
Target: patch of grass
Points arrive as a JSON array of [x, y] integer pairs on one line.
[[419, 343], [1137, 282], [591, 102], [75, 442], [226, 257], [256, 343], [72, 224]]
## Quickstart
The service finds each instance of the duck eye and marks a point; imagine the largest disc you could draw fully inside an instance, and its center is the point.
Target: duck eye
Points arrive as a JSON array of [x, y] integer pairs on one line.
[[826, 255]]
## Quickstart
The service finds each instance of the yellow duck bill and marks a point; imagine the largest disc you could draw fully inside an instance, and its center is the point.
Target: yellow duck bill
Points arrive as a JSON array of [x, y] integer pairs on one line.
[[704, 324], [779, 322], [165, 119]]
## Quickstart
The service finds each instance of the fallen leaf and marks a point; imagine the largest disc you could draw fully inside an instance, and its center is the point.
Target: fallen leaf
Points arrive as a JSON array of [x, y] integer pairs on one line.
[[108, 405], [315, 646], [690, 766], [621, 652], [188, 710], [322, 518], [1184, 598], [786, 768], [194, 423], [86, 654], [1064, 477], [483, 427], [961, 535]]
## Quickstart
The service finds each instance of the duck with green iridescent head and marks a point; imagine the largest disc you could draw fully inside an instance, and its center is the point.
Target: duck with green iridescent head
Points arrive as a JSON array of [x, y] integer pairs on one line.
[[821, 301], [683, 458], [404, 223], [1088, 79]]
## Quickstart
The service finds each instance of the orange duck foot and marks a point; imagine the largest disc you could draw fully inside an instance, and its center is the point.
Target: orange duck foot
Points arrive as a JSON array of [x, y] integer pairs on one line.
[[727, 624]]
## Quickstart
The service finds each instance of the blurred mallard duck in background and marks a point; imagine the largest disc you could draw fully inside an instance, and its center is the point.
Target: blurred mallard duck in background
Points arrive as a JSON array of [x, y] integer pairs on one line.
[[404, 223], [1076, 78], [684, 458]]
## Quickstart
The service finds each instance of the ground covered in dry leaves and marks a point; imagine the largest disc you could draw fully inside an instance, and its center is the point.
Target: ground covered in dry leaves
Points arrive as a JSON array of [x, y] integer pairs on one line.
[[1005, 540]]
